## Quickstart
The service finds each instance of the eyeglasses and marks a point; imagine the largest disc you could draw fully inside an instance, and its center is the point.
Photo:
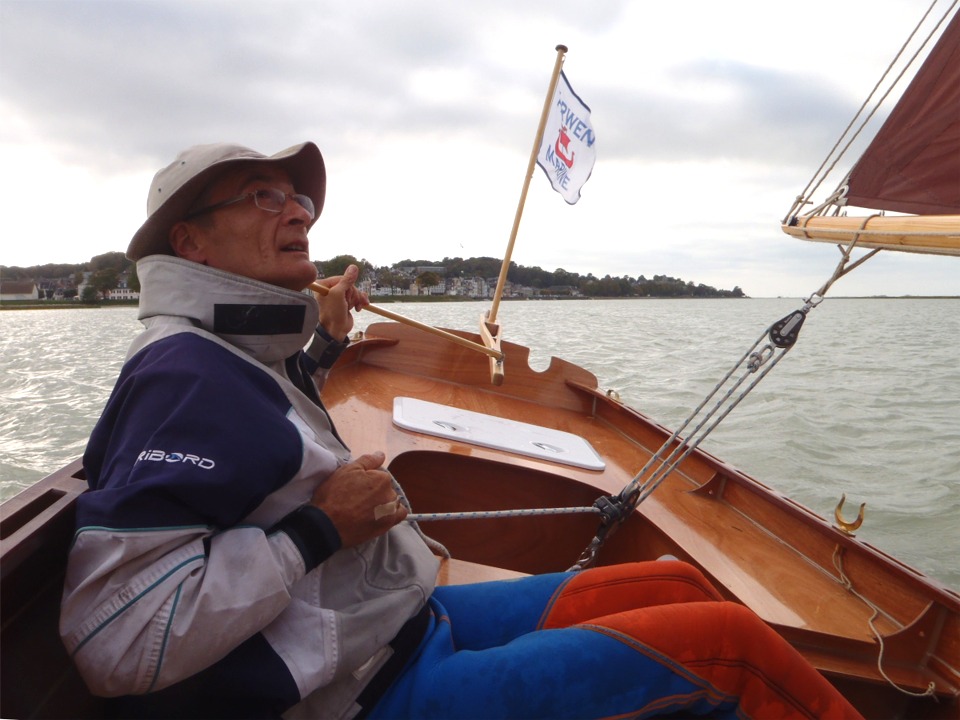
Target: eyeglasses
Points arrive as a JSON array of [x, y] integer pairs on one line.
[[269, 199]]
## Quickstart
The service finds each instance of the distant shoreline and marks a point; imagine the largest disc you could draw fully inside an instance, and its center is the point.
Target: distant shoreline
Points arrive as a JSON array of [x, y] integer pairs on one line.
[[388, 299], [63, 304]]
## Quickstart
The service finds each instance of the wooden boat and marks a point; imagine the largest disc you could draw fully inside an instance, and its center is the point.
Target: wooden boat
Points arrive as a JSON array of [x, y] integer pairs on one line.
[[759, 548], [887, 636]]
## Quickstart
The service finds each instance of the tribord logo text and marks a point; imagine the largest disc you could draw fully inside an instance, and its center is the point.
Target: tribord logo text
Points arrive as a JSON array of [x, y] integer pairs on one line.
[[176, 457]]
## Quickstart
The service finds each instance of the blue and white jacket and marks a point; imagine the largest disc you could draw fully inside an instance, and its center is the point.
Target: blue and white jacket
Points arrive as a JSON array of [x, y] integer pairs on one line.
[[196, 565]]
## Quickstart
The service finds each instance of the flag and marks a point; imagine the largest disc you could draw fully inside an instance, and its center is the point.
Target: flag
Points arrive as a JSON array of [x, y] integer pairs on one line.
[[568, 148]]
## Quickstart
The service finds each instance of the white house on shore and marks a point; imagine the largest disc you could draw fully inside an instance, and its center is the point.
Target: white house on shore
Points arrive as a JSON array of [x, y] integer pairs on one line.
[[123, 293], [18, 290]]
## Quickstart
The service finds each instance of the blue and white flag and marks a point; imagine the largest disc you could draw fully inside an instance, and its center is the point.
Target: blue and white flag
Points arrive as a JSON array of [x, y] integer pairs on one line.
[[568, 148]]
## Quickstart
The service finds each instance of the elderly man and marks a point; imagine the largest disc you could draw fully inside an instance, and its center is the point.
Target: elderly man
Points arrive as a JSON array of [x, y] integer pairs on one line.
[[232, 559]]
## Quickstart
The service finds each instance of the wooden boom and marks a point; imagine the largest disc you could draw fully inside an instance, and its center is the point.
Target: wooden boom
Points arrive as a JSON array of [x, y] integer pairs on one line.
[[933, 234]]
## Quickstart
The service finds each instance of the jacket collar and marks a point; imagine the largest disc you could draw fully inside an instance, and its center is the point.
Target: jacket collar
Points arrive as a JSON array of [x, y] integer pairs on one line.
[[268, 322]]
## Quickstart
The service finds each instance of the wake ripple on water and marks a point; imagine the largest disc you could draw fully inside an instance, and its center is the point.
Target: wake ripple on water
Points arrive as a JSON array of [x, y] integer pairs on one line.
[[57, 368]]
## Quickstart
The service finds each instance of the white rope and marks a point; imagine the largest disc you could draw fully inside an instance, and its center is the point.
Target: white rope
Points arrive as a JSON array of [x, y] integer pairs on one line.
[[436, 546], [759, 354], [845, 581]]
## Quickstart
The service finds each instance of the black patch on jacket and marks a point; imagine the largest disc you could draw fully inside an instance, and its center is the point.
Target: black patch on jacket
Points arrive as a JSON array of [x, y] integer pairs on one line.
[[244, 319]]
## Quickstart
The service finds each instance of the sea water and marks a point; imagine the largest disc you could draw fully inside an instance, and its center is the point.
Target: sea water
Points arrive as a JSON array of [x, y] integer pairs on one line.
[[867, 403]]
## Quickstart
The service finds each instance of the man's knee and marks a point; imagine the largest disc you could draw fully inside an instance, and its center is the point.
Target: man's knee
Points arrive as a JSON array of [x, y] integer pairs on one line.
[[613, 589]]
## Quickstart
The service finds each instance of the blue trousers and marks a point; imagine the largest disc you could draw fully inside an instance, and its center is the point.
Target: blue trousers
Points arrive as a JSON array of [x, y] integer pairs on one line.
[[635, 641]]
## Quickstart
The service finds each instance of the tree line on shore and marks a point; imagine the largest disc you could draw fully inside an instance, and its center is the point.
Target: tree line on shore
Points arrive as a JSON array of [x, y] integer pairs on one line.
[[105, 272]]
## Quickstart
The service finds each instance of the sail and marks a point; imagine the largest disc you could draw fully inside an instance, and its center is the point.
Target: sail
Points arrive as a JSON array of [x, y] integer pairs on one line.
[[913, 164]]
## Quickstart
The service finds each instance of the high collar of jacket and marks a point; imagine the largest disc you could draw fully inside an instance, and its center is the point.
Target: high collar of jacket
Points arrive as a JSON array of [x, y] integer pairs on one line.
[[268, 322]]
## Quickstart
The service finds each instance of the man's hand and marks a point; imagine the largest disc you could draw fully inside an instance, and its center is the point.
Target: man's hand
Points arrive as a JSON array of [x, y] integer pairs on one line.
[[336, 305], [358, 499]]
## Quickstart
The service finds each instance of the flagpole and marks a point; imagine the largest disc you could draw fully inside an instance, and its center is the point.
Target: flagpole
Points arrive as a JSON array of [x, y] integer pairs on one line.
[[491, 317]]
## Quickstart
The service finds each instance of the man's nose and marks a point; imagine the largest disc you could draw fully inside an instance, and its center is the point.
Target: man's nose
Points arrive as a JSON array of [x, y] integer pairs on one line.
[[294, 212]]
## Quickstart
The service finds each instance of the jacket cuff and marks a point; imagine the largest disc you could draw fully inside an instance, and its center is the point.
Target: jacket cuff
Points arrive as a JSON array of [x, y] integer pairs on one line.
[[322, 351], [312, 531]]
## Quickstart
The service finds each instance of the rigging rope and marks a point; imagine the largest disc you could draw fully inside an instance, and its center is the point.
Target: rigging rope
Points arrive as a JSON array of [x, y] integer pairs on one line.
[[768, 350], [821, 175], [782, 336], [614, 509], [845, 581]]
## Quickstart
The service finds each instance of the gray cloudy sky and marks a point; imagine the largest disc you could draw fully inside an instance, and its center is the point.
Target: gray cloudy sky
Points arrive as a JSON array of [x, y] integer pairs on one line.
[[711, 117]]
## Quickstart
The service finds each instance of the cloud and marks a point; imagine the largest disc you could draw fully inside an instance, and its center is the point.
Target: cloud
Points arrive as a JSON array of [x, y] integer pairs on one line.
[[711, 117], [725, 110], [130, 79]]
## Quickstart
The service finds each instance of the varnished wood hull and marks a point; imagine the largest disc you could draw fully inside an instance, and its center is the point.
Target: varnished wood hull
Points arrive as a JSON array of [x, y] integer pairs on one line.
[[758, 547]]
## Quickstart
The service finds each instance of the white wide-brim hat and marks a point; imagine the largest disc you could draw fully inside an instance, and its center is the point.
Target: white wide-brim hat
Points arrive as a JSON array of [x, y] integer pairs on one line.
[[176, 187]]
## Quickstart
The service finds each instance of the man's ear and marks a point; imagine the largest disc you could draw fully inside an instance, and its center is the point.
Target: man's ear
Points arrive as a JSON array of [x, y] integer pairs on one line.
[[183, 240]]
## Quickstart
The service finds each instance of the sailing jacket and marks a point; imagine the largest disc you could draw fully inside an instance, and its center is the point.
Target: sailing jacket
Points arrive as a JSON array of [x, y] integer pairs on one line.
[[196, 562]]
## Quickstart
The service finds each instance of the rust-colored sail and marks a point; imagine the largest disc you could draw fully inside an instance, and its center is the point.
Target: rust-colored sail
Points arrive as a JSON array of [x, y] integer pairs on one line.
[[913, 164]]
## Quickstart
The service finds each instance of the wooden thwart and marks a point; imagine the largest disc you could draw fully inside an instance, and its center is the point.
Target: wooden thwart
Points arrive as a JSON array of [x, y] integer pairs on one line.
[[463, 572]]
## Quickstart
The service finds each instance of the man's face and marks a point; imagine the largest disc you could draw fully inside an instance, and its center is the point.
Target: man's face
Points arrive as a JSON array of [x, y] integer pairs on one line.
[[246, 240]]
